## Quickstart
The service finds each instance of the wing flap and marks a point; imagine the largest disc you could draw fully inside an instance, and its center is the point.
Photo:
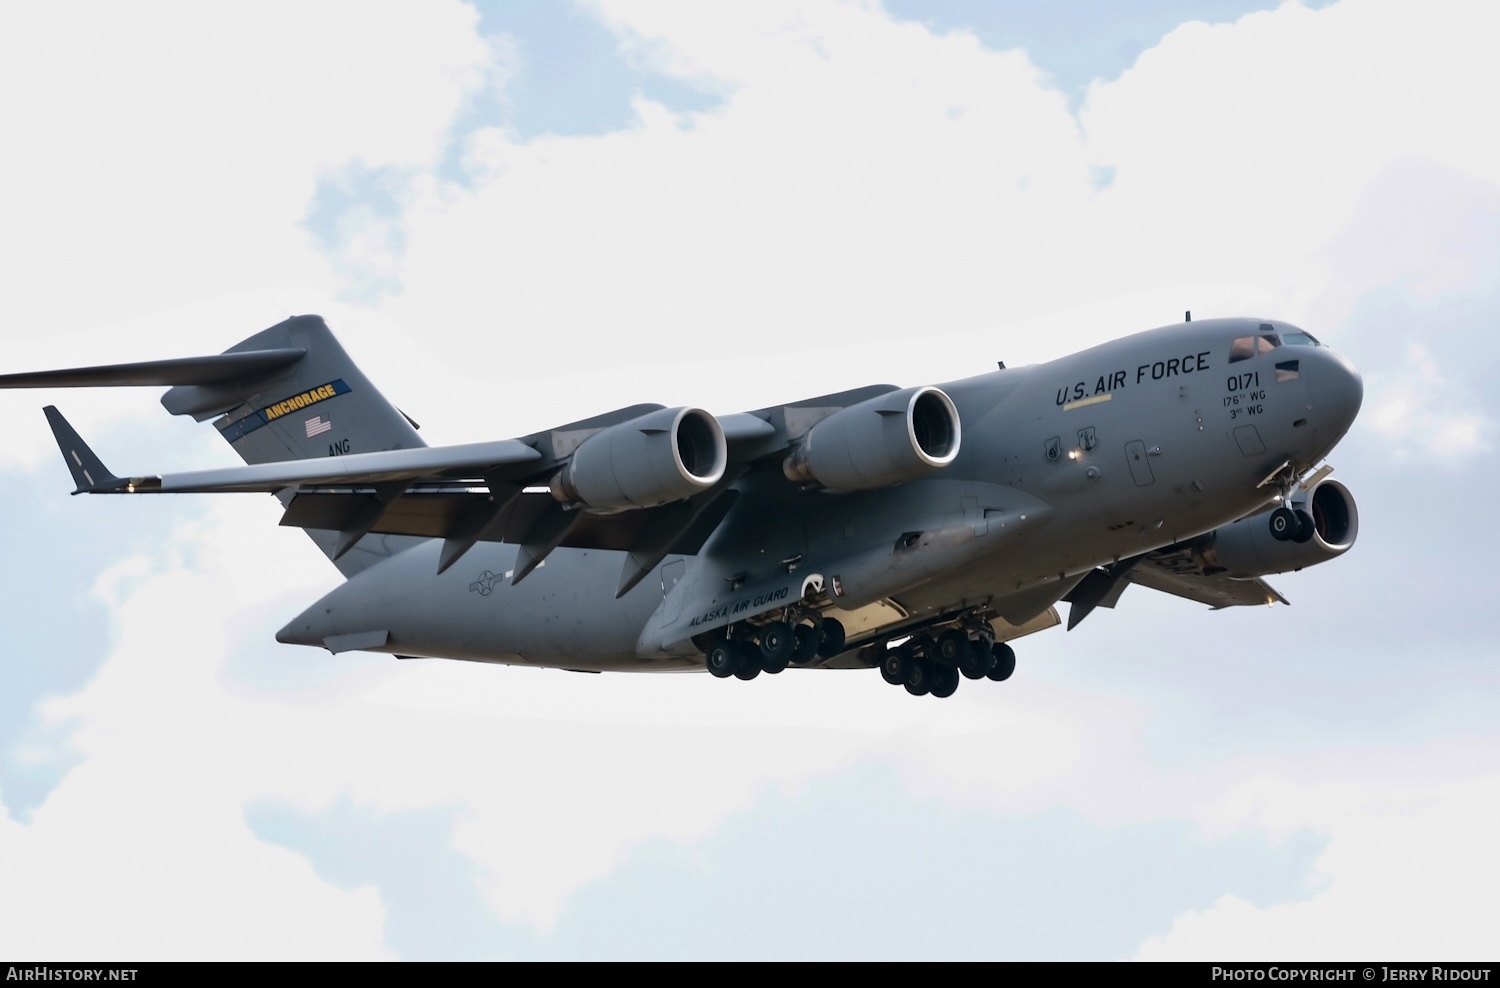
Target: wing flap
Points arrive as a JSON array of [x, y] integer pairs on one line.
[[442, 515], [1174, 571]]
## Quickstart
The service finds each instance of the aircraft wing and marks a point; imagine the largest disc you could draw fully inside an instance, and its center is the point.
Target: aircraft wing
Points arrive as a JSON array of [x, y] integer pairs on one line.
[[462, 494], [437, 464], [1175, 572], [1171, 570], [491, 491]]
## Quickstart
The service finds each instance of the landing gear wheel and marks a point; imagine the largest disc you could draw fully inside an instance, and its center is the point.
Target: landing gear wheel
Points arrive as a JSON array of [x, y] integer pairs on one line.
[[1284, 525], [920, 676], [895, 664], [945, 681], [978, 660], [950, 649], [721, 659], [833, 638], [1005, 663], [805, 648], [776, 643], [747, 662], [1306, 527], [777, 640]]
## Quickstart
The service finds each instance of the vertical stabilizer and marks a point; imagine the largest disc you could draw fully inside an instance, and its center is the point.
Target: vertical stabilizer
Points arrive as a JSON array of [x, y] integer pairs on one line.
[[318, 405]]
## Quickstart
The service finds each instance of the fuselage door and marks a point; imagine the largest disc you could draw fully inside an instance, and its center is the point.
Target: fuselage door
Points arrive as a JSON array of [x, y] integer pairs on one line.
[[1140, 467]]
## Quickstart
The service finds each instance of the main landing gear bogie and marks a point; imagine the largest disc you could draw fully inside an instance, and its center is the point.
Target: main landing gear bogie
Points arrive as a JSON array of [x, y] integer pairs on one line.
[[937, 665], [934, 663], [745, 652]]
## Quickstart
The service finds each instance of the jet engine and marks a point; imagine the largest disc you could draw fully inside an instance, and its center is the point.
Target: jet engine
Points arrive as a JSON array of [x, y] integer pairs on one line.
[[661, 457], [884, 441], [1247, 548]]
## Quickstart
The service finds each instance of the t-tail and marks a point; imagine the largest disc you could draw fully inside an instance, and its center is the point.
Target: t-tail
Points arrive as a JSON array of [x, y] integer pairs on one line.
[[287, 393]]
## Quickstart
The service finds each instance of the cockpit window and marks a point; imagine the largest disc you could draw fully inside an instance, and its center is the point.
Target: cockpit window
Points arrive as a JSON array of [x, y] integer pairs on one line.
[[1300, 339], [1249, 346]]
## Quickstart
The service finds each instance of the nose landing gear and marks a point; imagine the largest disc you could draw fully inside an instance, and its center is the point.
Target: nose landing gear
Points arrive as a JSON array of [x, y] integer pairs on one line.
[[1292, 525]]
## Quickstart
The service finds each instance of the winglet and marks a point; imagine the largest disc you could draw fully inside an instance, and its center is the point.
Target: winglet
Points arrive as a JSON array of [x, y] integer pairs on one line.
[[89, 473]]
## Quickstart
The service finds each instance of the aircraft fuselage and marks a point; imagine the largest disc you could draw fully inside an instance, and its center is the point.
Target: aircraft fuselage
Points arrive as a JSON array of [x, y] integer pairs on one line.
[[1065, 466]]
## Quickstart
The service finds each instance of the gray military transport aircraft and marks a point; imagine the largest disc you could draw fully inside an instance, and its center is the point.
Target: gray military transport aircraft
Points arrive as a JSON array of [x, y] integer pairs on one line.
[[915, 530]]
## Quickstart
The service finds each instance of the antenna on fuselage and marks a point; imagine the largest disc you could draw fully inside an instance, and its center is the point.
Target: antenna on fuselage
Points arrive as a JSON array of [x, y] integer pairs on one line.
[[1187, 316]]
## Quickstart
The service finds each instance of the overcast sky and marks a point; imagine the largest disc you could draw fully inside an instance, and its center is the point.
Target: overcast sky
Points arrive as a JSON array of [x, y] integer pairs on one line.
[[519, 214]]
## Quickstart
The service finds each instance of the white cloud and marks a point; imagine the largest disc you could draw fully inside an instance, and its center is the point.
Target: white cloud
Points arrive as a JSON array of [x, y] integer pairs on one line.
[[1407, 871], [166, 152], [1421, 411]]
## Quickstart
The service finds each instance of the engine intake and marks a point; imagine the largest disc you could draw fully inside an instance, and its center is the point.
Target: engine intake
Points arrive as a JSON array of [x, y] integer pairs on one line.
[[884, 441], [664, 456], [1246, 548]]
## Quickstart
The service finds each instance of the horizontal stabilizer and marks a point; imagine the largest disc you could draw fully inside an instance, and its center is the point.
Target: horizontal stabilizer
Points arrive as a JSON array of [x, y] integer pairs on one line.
[[180, 371], [89, 473]]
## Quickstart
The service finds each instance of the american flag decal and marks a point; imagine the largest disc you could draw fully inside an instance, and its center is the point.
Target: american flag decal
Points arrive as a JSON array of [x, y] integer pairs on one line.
[[316, 426]]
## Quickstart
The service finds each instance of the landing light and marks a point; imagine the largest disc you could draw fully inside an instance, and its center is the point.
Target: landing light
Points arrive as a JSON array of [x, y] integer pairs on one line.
[[1073, 454]]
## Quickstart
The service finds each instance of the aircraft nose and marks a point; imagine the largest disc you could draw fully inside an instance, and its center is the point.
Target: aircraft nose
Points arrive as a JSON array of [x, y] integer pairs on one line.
[[1337, 390]]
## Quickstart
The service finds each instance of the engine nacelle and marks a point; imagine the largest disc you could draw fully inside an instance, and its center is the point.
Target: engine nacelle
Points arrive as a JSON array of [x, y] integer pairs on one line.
[[1247, 549], [661, 457], [884, 441]]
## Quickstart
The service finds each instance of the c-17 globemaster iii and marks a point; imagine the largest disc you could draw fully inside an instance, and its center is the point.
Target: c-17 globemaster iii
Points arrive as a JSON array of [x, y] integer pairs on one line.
[[916, 530]]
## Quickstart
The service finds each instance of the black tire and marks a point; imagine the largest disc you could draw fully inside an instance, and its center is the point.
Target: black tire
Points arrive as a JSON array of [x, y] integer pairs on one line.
[[945, 681], [776, 644], [920, 676], [978, 660], [894, 665], [806, 647], [1306, 527], [721, 659], [1284, 526], [832, 642], [950, 648], [1005, 663], [746, 660]]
